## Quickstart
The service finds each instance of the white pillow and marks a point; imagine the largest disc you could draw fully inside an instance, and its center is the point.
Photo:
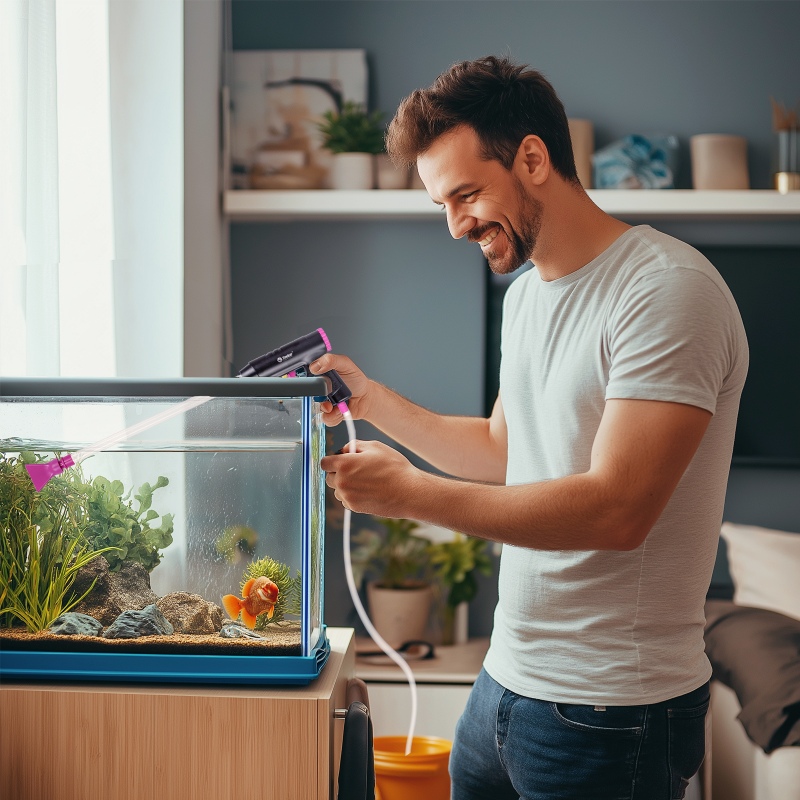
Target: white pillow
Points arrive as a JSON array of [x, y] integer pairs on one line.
[[765, 567]]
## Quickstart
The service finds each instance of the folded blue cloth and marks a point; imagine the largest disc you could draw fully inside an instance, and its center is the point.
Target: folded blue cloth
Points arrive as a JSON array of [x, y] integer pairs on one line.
[[637, 162]]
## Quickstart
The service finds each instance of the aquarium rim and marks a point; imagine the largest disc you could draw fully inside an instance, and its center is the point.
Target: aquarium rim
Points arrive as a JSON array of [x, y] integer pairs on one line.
[[137, 388]]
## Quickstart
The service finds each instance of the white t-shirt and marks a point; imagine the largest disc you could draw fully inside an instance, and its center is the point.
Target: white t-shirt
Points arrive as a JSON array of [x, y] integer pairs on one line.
[[650, 318]]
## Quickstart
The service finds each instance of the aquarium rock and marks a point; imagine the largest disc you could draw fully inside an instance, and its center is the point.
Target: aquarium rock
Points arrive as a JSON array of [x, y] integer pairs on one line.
[[133, 624], [190, 613], [235, 630], [74, 624], [113, 592]]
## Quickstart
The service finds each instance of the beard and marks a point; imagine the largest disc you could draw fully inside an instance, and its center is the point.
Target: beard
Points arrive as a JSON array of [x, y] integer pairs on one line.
[[522, 240]]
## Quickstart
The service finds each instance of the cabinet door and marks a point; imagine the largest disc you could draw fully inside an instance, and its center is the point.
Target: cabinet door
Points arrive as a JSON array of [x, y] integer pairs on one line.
[[438, 708]]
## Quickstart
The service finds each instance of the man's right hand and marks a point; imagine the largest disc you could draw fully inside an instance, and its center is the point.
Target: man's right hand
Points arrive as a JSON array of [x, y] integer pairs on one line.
[[356, 381]]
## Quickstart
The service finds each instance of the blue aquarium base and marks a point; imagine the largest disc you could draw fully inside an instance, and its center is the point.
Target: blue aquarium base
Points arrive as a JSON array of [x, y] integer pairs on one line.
[[100, 667]]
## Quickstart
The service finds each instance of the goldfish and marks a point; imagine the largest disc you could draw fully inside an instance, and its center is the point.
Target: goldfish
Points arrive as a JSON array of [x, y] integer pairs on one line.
[[259, 595]]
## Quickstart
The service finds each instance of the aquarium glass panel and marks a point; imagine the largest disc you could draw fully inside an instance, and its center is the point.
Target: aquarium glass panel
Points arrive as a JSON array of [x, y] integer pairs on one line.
[[212, 518], [317, 526]]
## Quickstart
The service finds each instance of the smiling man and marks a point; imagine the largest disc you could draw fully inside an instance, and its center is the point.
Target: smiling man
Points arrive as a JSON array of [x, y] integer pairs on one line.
[[602, 468]]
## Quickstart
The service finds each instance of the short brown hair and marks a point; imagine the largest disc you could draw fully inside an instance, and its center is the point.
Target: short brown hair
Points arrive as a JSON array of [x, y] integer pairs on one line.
[[501, 101]]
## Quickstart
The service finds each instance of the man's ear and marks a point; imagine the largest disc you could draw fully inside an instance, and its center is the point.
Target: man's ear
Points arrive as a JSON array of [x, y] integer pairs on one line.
[[533, 160]]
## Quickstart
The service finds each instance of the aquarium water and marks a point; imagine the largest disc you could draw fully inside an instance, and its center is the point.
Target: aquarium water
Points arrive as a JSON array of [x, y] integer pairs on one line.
[[219, 501]]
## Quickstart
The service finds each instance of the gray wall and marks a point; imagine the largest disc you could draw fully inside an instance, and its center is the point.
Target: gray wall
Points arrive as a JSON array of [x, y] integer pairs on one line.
[[404, 300]]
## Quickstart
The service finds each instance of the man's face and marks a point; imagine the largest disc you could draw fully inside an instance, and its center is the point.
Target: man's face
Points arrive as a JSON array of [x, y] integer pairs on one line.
[[483, 200]]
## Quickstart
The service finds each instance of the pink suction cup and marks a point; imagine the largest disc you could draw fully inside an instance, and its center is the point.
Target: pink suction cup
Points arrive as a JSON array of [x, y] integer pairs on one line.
[[41, 473]]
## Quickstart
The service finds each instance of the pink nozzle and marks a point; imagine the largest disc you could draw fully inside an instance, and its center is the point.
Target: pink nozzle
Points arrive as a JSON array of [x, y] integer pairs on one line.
[[41, 473], [342, 407], [324, 338]]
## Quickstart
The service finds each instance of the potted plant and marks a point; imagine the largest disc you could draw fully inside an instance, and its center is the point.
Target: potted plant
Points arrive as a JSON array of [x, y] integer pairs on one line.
[[456, 564], [354, 136], [396, 566]]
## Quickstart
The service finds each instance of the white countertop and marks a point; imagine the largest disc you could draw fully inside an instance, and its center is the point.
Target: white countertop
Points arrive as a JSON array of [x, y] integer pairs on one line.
[[458, 663]]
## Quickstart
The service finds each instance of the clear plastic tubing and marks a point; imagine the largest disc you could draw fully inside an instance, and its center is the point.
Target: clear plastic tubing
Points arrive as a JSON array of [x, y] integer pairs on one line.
[[351, 585]]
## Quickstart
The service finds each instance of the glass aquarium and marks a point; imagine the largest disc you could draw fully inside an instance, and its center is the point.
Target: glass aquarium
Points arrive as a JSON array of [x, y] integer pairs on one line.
[[177, 535]]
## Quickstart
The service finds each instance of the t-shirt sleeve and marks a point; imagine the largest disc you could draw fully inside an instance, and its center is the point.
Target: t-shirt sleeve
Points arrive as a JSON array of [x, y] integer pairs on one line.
[[671, 337]]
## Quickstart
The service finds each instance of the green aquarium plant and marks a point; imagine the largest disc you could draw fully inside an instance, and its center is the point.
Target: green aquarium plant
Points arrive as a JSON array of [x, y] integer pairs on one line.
[[123, 532], [47, 536], [42, 547], [352, 130], [393, 557], [289, 588]]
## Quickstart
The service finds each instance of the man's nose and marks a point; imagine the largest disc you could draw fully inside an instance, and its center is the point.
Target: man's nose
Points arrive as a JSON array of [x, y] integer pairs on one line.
[[459, 223]]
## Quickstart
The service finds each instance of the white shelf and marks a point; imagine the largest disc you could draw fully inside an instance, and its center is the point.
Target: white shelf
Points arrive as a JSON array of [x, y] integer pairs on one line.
[[414, 204]]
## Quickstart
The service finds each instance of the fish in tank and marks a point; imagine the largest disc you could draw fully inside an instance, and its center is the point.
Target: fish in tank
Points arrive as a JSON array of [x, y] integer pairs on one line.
[[259, 597], [199, 537]]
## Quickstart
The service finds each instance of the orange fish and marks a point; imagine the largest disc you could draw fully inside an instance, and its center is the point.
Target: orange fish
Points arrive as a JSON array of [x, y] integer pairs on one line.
[[260, 595]]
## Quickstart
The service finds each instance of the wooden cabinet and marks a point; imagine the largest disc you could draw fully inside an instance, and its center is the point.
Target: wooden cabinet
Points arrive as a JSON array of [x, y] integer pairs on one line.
[[75, 742]]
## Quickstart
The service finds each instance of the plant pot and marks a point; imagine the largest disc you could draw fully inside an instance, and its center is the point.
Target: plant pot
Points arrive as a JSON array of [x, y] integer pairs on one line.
[[400, 615], [352, 171], [388, 175], [456, 624]]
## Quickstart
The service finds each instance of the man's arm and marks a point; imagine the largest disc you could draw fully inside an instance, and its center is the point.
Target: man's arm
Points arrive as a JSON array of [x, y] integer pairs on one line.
[[470, 448], [640, 451]]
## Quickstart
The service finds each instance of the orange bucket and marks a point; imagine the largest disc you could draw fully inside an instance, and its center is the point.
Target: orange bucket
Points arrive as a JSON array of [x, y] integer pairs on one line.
[[421, 773]]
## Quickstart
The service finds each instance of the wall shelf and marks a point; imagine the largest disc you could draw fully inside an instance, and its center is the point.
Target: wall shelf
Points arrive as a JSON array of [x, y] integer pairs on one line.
[[414, 204]]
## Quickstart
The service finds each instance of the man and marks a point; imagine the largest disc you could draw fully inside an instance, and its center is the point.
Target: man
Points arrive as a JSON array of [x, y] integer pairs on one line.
[[602, 467]]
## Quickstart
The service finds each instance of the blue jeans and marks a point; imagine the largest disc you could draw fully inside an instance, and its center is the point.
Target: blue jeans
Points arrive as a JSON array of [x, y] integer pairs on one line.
[[508, 747]]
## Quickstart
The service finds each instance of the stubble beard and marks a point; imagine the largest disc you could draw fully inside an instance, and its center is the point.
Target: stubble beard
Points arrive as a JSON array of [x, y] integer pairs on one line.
[[523, 241]]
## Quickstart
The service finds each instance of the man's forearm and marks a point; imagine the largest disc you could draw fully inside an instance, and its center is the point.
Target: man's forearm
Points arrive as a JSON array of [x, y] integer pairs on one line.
[[569, 513], [459, 446]]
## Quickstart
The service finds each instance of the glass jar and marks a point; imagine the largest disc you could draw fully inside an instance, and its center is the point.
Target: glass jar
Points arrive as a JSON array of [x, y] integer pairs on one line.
[[787, 160]]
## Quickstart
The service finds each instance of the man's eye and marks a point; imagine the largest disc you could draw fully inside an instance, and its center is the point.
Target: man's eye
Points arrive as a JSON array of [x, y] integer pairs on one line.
[[468, 195]]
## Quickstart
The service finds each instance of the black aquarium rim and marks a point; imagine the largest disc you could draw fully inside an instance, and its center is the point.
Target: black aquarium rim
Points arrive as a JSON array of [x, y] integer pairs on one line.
[[26, 388]]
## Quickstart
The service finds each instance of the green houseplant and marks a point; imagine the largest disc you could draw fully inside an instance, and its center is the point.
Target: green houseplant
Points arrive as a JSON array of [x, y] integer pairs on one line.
[[354, 136], [456, 564], [352, 130], [394, 557], [395, 563]]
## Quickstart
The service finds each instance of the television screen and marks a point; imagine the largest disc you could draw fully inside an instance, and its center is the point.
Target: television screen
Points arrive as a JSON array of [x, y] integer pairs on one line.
[[765, 281]]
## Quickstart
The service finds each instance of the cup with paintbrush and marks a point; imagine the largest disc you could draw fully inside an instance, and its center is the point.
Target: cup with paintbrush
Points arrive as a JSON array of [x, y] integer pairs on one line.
[[786, 124]]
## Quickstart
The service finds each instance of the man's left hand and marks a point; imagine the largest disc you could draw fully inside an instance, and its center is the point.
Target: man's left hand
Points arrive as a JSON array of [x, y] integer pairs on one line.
[[375, 479]]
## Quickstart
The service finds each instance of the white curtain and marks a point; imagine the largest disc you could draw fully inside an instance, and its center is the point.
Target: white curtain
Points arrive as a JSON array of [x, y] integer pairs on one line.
[[91, 187], [91, 207]]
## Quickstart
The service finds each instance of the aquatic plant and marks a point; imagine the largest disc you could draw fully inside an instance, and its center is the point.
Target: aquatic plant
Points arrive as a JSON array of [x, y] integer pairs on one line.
[[288, 588], [114, 523], [42, 547], [47, 536]]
